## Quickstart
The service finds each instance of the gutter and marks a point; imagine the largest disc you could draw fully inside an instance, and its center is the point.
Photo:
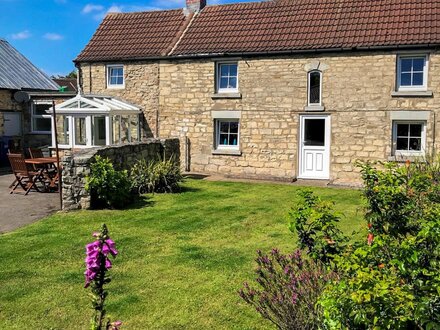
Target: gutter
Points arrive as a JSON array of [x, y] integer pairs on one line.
[[266, 53]]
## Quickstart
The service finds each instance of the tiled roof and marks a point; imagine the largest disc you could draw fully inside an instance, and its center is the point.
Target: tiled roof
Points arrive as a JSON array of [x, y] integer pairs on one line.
[[311, 24], [134, 35], [268, 26], [69, 84], [17, 72]]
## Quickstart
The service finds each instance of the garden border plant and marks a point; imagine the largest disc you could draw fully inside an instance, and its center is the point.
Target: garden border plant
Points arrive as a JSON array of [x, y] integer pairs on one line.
[[390, 279]]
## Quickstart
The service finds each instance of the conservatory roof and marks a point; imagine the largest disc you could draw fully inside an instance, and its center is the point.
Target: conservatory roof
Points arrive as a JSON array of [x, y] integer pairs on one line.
[[95, 104]]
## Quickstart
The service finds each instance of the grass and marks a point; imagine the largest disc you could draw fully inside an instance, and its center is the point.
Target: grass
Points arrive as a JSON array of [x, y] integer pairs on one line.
[[182, 258]]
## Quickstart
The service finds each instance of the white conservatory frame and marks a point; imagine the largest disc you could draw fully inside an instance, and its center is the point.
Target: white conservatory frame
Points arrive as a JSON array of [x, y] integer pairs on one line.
[[89, 107]]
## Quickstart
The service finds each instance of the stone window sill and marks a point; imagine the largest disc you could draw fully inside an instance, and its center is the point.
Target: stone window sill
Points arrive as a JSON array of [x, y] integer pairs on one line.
[[404, 158], [226, 152], [312, 108], [226, 96], [412, 94]]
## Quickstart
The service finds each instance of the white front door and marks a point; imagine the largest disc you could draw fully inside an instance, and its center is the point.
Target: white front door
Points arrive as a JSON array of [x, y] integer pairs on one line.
[[314, 157]]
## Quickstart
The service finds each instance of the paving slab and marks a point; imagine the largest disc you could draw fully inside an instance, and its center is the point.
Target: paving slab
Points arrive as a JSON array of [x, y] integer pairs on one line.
[[17, 210]]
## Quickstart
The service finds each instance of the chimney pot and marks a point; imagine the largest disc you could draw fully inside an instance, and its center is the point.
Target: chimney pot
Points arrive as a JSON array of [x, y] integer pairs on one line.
[[195, 5]]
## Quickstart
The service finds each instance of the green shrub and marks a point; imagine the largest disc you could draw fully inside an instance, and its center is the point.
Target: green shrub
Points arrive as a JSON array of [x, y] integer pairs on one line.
[[161, 176], [392, 279], [388, 280], [107, 186], [315, 223]]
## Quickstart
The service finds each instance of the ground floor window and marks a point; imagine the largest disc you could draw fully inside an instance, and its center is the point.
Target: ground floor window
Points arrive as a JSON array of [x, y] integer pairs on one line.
[[40, 119], [409, 138], [227, 133]]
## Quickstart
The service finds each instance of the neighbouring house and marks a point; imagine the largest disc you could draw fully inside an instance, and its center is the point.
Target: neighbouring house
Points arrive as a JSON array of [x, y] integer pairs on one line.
[[25, 95], [66, 84], [277, 89]]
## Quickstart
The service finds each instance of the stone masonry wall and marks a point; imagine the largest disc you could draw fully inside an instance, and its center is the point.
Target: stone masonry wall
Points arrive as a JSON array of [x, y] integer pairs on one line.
[[7, 103], [141, 88], [76, 166], [356, 93]]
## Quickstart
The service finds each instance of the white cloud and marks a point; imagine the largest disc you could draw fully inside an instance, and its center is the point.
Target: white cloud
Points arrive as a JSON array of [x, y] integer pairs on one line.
[[91, 7], [21, 35], [53, 36], [115, 9]]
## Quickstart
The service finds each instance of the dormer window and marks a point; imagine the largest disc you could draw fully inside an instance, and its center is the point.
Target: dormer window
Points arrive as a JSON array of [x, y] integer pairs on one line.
[[115, 76], [227, 77], [412, 73], [314, 88]]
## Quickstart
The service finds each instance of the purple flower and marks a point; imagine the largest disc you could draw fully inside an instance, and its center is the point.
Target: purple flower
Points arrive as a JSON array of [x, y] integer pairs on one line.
[[109, 247]]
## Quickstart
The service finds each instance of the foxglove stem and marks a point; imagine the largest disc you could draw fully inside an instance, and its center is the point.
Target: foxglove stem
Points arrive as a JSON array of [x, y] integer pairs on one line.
[[97, 265]]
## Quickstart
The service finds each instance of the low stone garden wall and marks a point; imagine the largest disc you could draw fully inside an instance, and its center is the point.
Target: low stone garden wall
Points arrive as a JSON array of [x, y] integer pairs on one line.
[[76, 165]]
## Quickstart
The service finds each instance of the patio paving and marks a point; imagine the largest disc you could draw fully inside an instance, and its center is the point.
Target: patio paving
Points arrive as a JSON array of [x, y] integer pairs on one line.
[[17, 210]]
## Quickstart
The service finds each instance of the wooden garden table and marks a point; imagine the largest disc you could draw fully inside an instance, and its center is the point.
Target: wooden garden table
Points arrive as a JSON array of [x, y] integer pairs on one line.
[[46, 162]]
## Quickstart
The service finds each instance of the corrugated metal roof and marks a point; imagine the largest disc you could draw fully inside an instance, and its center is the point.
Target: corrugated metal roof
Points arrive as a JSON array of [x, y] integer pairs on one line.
[[17, 72]]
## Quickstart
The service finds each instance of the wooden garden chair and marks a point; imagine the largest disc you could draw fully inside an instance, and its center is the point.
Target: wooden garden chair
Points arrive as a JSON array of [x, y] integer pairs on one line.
[[25, 178], [35, 153]]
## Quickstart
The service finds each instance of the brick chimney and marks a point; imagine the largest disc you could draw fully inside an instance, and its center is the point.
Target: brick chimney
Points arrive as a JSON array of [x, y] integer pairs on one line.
[[195, 5]]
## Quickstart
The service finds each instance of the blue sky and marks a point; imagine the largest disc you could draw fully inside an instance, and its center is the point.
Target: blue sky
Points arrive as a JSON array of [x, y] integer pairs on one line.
[[51, 33]]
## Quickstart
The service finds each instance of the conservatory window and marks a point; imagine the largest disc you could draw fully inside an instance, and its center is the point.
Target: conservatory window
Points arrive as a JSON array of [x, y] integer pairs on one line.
[[63, 130], [91, 120], [80, 131], [99, 131]]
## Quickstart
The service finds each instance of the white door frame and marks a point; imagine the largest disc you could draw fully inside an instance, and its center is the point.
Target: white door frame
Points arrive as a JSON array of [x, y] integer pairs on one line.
[[326, 172]]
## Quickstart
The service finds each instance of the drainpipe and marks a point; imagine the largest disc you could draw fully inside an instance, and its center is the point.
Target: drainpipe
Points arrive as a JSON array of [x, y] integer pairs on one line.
[[433, 132], [79, 78]]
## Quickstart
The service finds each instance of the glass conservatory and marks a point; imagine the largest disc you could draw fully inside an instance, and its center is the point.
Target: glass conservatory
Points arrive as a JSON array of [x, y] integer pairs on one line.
[[93, 120]]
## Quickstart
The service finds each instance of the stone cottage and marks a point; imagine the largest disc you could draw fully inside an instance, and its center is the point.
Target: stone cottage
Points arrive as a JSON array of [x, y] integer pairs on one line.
[[278, 89]]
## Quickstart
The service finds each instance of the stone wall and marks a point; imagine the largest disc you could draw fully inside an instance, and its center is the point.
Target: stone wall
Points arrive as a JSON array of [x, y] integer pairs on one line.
[[357, 94], [76, 166], [8, 104], [141, 88]]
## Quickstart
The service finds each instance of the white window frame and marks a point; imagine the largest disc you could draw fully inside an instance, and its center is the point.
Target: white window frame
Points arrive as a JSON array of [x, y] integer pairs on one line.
[[115, 86], [217, 123], [218, 77], [409, 152], [423, 87], [320, 89], [48, 116]]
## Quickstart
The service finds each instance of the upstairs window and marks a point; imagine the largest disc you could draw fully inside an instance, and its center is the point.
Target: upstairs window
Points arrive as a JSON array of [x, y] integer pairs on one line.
[[115, 76], [41, 120], [314, 88], [409, 137], [227, 77], [412, 73], [227, 133]]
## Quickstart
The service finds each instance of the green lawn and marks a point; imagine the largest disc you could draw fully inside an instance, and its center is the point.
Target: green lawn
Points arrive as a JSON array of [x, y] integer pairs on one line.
[[182, 258]]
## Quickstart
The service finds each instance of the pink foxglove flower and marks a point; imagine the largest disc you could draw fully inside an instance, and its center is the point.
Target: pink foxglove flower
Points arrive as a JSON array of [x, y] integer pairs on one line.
[[97, 264]]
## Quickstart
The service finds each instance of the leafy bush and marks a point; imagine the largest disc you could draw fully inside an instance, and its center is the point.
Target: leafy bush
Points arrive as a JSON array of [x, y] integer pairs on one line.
[[314, 220], [289, 290], [392, 279], [161, 176], [108, 187]]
